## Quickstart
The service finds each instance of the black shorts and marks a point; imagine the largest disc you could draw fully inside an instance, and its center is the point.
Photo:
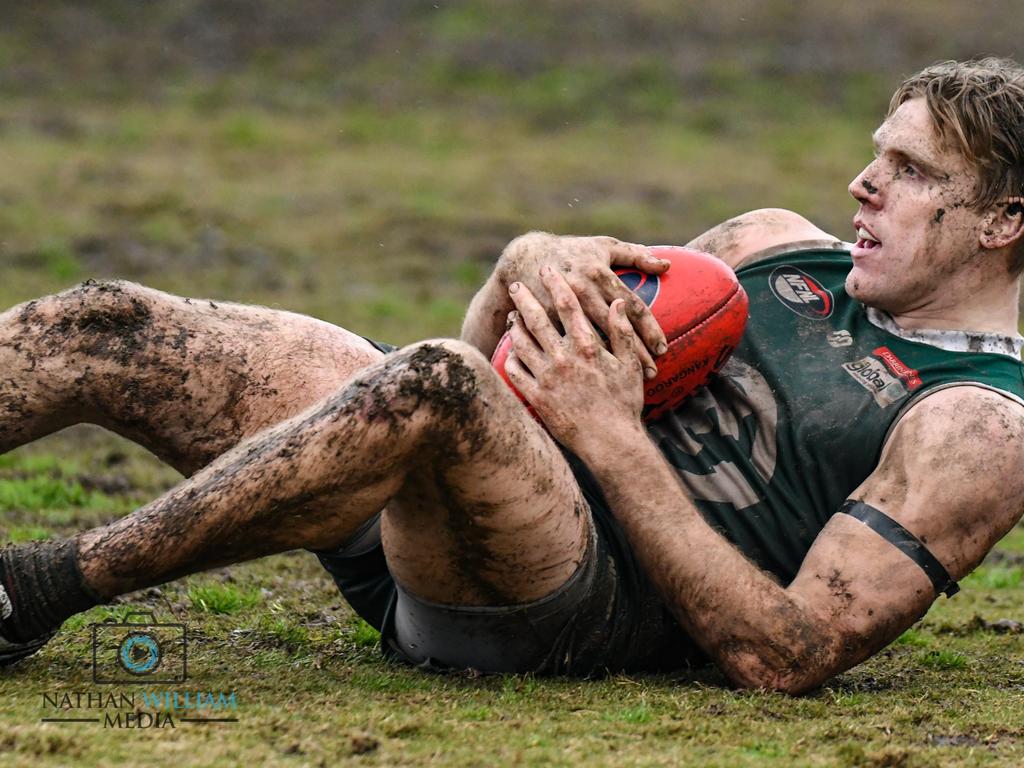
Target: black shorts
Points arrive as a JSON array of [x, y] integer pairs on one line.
[[606, 618]]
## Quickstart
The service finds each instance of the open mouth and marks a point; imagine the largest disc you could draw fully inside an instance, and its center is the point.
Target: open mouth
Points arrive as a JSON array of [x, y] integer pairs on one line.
[[866, 240]]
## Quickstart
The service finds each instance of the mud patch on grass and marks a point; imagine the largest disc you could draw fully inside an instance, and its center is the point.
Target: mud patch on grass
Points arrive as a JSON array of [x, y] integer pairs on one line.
[[979, 624], [953, 740], [1005, 559]]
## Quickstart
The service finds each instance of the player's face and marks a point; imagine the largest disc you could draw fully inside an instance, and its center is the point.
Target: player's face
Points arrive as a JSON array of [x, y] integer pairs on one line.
[[915, 231]]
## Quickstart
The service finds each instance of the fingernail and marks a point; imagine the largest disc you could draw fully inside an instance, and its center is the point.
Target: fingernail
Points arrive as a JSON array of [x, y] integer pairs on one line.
[[513, 288], [662, 348], [650, 372]]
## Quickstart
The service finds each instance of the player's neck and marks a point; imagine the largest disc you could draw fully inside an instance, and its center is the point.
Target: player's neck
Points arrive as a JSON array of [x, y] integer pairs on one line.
[[991, 308]]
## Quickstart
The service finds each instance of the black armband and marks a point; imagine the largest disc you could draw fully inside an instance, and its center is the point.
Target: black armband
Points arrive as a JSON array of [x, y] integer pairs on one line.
[[905, 542]]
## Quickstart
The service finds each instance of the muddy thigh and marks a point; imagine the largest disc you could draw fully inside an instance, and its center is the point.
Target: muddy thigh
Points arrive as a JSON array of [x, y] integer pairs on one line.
[[480, 506], [490, 513], [186, 378]]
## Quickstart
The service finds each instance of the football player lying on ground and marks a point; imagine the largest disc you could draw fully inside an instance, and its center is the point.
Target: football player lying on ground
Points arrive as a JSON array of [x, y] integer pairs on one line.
[[861, 451]]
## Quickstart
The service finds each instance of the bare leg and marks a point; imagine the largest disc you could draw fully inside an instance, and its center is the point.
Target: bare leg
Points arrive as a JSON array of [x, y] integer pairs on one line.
[[484, 509], [186, 378]]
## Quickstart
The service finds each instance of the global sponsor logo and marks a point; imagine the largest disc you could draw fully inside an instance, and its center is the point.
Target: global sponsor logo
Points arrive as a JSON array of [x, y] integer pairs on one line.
[[643, 285], [879, 379], [801, 292]]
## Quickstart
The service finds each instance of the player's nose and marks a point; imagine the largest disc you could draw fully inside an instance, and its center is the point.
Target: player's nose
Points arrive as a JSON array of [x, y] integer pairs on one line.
[[862, 188]]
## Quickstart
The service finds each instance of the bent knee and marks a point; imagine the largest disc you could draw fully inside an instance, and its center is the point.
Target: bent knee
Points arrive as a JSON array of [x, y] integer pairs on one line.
[[107, 318], [440, 380], [444, 373], [103, 301]]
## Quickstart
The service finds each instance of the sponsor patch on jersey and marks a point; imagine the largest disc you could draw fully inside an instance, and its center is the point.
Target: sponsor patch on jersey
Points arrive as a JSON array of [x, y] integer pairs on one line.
[[801, 292], [643, 285], [906, 374], [884, 375]]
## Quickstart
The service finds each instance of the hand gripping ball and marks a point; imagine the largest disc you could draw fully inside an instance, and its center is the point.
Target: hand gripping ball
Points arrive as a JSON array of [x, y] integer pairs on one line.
[[702, 309]]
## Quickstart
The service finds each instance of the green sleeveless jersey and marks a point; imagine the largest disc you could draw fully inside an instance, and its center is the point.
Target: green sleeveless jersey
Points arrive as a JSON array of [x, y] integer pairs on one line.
[[797, 418]]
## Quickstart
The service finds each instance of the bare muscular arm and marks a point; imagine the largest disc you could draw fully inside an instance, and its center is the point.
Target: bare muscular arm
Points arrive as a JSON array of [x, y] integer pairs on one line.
[[951, 473]]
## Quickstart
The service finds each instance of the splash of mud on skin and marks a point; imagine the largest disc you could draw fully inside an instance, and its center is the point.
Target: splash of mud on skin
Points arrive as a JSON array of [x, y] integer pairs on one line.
[[428, 375], [938, 215], [110, 323], [869, 187], [839, 588], [471, 555]]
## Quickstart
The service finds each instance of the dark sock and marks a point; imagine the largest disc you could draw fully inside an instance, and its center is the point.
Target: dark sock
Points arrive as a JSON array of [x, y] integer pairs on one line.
[[45, 587]]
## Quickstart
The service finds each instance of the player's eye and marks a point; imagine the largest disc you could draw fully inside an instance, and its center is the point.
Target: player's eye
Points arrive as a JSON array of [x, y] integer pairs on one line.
[[909, 170]]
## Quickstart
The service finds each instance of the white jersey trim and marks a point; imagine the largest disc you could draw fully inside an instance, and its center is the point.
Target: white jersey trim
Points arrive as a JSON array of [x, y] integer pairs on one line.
[[951, 341]]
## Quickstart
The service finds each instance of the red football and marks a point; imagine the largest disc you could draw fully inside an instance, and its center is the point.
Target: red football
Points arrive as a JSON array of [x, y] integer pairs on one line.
[[702, 309]]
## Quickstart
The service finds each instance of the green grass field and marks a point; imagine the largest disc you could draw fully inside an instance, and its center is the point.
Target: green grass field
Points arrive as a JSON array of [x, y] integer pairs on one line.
[[311, 689], [365, 162]]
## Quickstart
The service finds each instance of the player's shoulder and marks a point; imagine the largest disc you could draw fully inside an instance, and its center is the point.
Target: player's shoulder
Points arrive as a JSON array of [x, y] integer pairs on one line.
[[966, 433], [746, 238], [968, 408], [951, 472]]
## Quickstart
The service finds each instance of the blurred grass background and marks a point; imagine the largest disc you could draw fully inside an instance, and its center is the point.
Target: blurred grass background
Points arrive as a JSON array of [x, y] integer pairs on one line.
[[365, 162]]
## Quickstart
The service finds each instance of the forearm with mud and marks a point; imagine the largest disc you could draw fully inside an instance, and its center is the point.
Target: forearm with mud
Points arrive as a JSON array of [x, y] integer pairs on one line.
[[485, 320], [758, 633]]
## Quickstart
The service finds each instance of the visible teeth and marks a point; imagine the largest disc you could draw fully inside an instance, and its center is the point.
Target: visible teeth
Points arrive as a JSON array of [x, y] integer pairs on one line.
[[863, 234]]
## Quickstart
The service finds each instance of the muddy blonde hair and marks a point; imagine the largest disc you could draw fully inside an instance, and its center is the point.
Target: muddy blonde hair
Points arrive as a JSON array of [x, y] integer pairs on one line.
[[978, 107]]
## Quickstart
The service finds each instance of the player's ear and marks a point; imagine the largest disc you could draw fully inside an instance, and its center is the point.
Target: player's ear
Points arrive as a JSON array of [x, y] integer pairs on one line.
[[1004, 225]]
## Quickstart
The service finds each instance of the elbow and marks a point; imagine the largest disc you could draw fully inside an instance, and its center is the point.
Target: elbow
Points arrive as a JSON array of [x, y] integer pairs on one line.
[[792, 682], [784, 682], [524, 243], [773, 668]]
